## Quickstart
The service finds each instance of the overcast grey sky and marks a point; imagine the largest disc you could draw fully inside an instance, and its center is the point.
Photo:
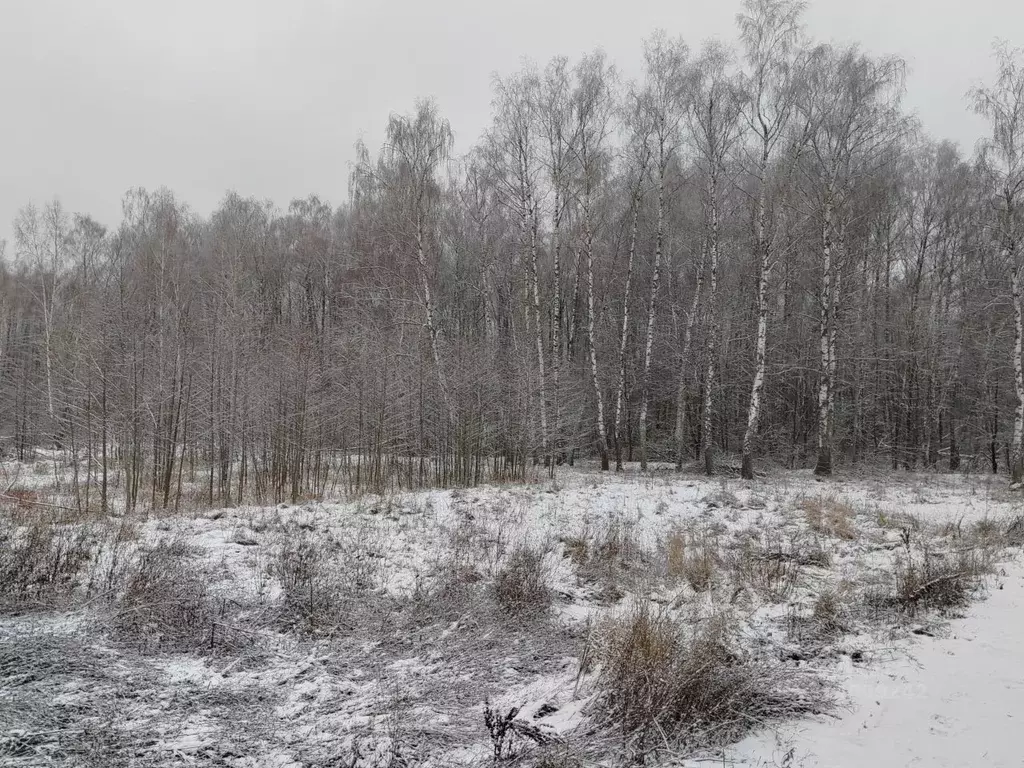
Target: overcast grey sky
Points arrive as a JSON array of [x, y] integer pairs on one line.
[[267, 97]]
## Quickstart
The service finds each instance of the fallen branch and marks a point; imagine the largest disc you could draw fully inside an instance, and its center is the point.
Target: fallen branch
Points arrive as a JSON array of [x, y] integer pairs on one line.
[[19, 500]]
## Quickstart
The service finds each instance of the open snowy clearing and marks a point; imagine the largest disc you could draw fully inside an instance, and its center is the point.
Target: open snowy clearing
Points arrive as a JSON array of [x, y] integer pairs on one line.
[[380, 631]]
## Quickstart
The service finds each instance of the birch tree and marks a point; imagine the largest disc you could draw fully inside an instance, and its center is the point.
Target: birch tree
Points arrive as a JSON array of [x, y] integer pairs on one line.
[[663, 100], [1002, 104], [559, 133], [770, 36], [851, 103], [638, 158], [594, 105], [517, 165], [714, 120], [415, 149], [42, 240]]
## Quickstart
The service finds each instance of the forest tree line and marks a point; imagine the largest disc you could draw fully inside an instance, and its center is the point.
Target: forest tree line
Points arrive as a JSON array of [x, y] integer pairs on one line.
[[754, 252]]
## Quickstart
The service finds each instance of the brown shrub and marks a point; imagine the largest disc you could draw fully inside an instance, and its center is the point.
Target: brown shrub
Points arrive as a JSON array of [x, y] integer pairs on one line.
[[660, 682], [521, 584], [829, 516]]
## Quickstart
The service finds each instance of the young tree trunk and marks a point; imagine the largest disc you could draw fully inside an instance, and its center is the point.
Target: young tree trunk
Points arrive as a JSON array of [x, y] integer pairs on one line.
[[1017, 445], [624, 335], [530, 223], [680, 429], [556, 322], [823, 467], [649, 344], [707, 434], [432, 329], [602, 438], [760, 357]]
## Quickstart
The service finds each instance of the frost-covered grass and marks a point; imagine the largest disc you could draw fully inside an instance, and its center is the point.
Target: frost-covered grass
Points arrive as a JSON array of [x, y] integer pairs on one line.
[[596, 617]]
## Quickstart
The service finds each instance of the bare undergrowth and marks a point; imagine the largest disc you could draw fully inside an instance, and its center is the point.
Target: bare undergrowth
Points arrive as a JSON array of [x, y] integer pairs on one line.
[[830, 516], [664, 684], [521, 585], [41, 564], [692, 558], [942, 582], [165, 605], [373, 636], [611, 558]]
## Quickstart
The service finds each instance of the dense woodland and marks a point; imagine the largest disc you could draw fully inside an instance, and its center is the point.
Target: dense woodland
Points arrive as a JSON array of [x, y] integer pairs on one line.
[[753, 252]]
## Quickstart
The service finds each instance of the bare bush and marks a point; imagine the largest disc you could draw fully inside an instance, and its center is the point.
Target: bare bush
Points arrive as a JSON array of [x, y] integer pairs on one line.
[[324, 578], [662, 684], [521, 586], [165, 605], [42, 565], [312, 598]]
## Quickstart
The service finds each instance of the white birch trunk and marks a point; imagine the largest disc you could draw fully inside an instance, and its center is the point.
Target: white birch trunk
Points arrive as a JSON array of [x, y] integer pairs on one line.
[[432, 329], [556, 331], [707, 437], [602, 436], [824, 462], [1017, 452], [649, 344], [530, 222], [680, 432], [48, 360], [760, 356], [624, 335]]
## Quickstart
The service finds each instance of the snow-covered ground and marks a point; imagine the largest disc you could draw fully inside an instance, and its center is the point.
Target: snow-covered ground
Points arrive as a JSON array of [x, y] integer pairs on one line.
[[946, 702], [371, 632]]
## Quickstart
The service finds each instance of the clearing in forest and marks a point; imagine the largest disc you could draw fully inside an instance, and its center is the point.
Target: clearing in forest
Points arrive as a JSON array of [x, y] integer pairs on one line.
[[593, 618]]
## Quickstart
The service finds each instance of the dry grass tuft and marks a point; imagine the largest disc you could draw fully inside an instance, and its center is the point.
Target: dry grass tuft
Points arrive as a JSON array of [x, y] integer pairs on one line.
[[830, 613], [660, 684], [521, 585], [942, 583], [691, 559], [770, 568], [988, 529], [829, 516], [1014, 534], [611, 558], [723, 498]]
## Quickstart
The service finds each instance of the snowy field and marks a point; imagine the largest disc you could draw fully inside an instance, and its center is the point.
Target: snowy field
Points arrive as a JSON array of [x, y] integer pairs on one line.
[[592, 619]]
